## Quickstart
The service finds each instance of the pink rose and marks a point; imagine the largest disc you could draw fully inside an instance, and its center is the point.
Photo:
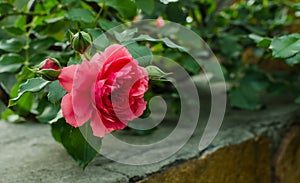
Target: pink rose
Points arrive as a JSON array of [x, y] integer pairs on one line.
[[159, 22], [108, 90]]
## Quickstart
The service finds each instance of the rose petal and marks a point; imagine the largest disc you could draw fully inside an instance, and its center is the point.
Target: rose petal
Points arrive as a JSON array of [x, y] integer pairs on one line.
[[67, 110], [83, 90], [66, 77], [115, 52], [98, 128]]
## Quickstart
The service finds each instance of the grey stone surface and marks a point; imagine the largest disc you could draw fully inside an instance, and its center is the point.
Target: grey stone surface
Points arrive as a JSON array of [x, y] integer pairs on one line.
[[28, 153]]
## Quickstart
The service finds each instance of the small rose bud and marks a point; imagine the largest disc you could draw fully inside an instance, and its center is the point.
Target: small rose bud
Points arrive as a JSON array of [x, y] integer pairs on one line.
[[159, 22], [50, 69], [81, 41]]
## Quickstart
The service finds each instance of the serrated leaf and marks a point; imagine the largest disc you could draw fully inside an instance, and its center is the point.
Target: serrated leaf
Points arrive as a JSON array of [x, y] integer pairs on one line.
[[11, 45], [10, 62], [80, 15], [56, 92], [126, 8], [142, 54], [285, 46], [31, 85], [79, 142]]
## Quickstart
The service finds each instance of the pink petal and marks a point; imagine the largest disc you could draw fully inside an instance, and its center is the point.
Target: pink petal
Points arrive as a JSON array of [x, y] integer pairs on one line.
[[83, 90], [115, 52], [66, 77], [67, 110], [96, 59], [98, 128]]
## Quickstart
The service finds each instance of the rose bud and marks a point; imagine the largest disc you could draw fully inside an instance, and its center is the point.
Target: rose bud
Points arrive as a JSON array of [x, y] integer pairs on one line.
[[81, 41], [50, 69], [159, 22]]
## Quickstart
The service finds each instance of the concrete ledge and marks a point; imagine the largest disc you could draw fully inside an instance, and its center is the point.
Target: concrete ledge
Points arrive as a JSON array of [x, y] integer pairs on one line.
[[242, 152]]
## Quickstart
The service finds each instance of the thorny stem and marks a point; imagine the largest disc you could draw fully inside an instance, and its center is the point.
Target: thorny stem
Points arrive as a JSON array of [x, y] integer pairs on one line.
[[99, 13]]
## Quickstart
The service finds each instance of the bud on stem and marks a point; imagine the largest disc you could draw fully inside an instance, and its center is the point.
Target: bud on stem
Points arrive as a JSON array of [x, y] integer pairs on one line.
[[81, 41], [50, 69]]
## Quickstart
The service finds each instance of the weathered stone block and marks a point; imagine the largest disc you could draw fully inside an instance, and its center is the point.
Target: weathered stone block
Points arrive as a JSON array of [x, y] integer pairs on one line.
[[287, 162], [248, 162]]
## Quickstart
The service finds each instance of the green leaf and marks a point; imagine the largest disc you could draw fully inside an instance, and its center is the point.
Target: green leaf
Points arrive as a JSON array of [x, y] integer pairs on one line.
[[165, 40], [156, 73], [191, 65], [95, 32], [31, 85], [245, 97], [261, 41], [79, 142], [285, 46], [10, 62], [297, 100], [106, 25], [265, 43], [42, 44], [125, 36], [11, 45], [297, 6], [229, 45], [56, 92], [126, 8], [293, 60], [146, 6], [5, 8], [25, 74], [58, 116], [142, 54], [24, 104], [16, 31], [80, 15], [49, 113]]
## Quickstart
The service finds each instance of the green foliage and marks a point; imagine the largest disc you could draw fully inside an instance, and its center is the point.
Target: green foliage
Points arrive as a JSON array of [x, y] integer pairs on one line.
[[10, 62], [31, 85], [79, 142], [285, 46], [244, 36], [56, 92], [141, 53]]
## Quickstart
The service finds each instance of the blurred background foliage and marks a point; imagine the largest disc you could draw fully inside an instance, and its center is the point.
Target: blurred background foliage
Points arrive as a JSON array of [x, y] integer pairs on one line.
[[257, 43]]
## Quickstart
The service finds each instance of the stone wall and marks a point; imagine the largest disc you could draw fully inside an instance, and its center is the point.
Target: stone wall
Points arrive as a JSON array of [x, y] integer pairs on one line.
[[251, 147]]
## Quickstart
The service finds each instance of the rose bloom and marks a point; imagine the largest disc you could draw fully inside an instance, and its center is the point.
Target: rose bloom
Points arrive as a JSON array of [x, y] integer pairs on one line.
[[108, 90]]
